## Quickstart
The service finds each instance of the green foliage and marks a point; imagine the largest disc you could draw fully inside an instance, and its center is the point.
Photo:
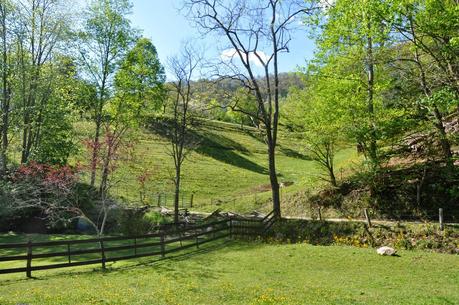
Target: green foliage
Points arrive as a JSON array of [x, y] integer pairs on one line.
[[138, 84], [56, 140], [444, 98]]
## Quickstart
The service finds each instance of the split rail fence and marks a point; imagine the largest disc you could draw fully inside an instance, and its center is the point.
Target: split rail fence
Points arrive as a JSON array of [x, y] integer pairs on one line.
[[72, 253]]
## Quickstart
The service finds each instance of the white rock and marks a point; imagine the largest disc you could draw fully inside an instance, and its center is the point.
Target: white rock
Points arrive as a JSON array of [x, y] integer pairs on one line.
[[386, 251]]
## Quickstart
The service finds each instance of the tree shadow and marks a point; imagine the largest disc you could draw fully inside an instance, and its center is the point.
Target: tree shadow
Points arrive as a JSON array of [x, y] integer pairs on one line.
[[294, 153], [213, 145], [165, 264], [225, 150]]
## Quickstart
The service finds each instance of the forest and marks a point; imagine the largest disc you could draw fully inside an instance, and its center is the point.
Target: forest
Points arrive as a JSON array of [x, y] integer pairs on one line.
[[80, 91]]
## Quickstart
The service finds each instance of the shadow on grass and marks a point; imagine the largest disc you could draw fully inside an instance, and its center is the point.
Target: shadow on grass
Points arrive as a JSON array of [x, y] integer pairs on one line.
[[294, 154], [213, 145], [224, 150], [161, 264]]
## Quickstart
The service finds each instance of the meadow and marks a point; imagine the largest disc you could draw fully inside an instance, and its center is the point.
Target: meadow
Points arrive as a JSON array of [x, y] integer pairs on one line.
[[228, 169], [237, 272]]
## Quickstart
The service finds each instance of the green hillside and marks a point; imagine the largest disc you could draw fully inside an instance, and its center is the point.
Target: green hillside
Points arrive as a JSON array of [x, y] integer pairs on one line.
[[228, 168]]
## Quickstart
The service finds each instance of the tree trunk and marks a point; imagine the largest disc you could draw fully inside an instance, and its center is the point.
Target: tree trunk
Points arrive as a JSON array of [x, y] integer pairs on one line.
[[445, 145], [104, 176], [371, 77], [274, 181], [332, 176], [438, 123], [6, 99], [177, 194], [95, 149]]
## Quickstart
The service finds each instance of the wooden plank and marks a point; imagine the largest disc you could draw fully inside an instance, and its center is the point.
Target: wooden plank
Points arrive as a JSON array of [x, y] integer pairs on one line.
[[13, 258], [64, 265], [125, 257], [75, 241], [105, 239], [13, 270]]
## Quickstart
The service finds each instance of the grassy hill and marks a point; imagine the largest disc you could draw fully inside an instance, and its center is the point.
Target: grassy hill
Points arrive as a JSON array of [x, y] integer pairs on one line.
[[228, 169]]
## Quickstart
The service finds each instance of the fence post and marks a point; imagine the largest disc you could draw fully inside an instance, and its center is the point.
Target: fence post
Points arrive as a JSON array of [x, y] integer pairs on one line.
[[102, 252], [231, 227], [440, 219], [163, 254], [197, 239], [135, 245], [159, 199], [29, 259], [68, 251], [191, 200], [320, 214], [367, 216]]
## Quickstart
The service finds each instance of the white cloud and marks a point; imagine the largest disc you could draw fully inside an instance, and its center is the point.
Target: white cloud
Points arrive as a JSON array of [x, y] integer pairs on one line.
[[228, 54]]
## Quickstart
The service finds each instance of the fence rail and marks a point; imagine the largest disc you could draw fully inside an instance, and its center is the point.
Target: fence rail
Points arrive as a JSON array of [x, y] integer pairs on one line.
[[154, 244]]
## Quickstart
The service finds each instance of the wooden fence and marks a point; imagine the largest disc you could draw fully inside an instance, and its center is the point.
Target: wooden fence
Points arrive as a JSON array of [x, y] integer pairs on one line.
[[99, 250]]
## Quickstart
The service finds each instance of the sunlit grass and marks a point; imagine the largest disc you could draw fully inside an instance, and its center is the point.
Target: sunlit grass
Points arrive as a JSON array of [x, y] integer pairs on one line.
[[250, 273], [229, 169]]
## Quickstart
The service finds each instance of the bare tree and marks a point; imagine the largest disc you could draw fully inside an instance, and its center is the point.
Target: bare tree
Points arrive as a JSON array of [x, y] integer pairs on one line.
[[257, 32], [183, 67]]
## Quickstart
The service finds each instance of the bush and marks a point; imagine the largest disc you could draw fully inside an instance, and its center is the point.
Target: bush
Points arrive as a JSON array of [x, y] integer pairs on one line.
[[423, 236], [139, 221]]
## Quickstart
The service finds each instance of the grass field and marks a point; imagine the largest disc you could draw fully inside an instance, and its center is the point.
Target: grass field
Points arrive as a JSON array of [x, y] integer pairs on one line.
[[229, 167], [249, 273]]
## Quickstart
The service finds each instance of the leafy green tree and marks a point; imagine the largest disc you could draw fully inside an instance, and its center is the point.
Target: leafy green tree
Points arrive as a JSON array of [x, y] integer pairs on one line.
[[357, 30], [429, 54], [41, 26], [139, 92], [56, 138], [7, 12], [103, 43], [319, 115], [139, 83]]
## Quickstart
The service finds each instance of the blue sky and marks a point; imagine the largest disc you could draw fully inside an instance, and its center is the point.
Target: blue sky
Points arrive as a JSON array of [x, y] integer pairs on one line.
[[167, 28]]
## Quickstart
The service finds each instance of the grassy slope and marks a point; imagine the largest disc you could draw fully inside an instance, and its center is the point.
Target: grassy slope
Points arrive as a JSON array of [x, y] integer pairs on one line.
[[243, 273], [229, 166]]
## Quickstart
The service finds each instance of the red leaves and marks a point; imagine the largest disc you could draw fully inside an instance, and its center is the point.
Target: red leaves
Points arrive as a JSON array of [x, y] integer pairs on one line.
[[50, 177], [143, 178]]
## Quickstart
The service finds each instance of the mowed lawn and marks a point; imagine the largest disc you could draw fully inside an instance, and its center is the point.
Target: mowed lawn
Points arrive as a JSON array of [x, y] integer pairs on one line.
[[250, 273]]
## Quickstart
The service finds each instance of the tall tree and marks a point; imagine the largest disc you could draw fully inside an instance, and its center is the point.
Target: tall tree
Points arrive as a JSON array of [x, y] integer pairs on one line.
[[103, 43], [357, 30], [139, 92], [184, 68], [6, 35], [257, 32], [424, 32], [41, 27], [318, 116]]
